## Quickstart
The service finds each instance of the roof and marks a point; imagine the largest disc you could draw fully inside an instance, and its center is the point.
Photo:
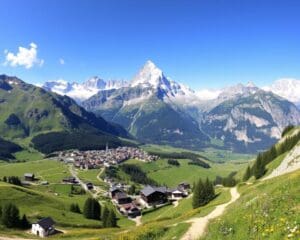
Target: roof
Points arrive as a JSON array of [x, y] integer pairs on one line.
[[121, 195], [46, 223], [28, 175], [113, 189], [148, 190]]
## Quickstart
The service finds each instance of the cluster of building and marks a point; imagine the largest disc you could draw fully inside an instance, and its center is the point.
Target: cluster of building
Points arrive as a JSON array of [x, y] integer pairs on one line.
[[152, 195], [97, 158], [149, 196]]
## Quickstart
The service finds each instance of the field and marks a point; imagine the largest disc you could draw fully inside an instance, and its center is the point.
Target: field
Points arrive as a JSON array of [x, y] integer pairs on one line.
[[45, 170], [266, 210], [213, 154], [171, 175], [55, 199]]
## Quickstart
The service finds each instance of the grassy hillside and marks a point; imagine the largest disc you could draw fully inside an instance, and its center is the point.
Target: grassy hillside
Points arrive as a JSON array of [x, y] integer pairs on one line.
[[27, 111], [266, 210], [161, 171]]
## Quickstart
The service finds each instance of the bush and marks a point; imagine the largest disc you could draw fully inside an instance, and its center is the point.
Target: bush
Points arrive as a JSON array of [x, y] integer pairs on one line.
[[75, 208], [173, 162]]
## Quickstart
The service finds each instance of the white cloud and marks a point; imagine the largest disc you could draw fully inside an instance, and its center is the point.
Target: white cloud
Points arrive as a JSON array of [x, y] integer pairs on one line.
[[207, 94], [26, 57], [61, 61]]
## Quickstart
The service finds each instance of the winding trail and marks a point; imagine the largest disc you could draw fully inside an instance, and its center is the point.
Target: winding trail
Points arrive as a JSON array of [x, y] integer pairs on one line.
[[199, 225]]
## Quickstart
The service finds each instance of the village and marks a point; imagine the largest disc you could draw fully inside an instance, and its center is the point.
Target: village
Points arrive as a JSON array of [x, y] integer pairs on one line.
[[131, 204], [99, 158]]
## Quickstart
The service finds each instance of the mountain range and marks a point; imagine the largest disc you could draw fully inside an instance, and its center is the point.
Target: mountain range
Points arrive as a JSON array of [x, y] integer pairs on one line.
[[156, 109], [50, 121], [153, 109]]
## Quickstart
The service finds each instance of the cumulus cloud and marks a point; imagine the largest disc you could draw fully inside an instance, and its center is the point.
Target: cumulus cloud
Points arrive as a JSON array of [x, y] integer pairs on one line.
[[61, 61], [207, 94], [26, 57]]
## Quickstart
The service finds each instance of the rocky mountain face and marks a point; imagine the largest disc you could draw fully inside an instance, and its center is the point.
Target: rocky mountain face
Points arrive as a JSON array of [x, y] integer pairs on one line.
[[249, 121], [155, 109], [80, 92], [149, 109], [27, 111]]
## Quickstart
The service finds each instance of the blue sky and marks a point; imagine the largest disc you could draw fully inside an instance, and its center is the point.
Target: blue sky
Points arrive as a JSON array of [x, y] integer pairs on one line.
[[204, 44]]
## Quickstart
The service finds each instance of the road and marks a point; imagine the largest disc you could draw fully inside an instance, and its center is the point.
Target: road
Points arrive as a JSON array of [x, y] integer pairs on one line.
[[197, 229]]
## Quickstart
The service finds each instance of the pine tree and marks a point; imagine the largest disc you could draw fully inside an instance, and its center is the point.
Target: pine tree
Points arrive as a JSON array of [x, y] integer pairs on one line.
[[247, 174], [4, 179], [24, 223], [87, 209], [96, 209], [104, 216], [92, 209], [111, 219], [258, 167], [10, 215], [196, 196]]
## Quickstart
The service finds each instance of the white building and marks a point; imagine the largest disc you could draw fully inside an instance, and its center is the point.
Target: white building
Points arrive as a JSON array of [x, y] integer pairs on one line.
[[43, 227]]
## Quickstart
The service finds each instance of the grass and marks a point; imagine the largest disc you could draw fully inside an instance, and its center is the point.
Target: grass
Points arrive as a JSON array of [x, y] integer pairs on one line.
[[215, 155], [46, 170], [171, 175], [37, 204], [184, 209], [265, 210]]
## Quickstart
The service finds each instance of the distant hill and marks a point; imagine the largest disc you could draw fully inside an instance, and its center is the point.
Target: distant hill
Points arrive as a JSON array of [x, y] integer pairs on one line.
[[30, 112]]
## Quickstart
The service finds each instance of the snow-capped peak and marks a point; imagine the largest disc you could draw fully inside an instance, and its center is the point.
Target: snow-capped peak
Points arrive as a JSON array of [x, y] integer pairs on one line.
[[150, 74], [82, 91], [95, 82]]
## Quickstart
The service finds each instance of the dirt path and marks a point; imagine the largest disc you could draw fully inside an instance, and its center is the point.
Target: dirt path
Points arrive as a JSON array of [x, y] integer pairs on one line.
[[137, 220], [199, 225]]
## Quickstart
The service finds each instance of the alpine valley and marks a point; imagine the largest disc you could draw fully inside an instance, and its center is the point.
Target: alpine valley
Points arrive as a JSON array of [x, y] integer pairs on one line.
[[155, 109]]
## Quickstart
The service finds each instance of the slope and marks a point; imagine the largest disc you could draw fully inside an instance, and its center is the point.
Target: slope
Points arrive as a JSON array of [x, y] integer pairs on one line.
[[27, 112]]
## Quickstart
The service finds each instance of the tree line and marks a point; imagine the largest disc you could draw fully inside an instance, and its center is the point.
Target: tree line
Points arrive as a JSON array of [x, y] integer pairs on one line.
[[203, 193], [263, 159], [10, 217], [137, 175], [228, 181]]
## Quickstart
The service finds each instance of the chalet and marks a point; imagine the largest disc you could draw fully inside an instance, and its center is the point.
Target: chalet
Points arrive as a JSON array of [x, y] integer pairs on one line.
[[114, 191], [70, 180], [89, 186], [184, 186], [43, 227], [29, 177], [176, 193], [154, 195], [134, 212], [122, 198]]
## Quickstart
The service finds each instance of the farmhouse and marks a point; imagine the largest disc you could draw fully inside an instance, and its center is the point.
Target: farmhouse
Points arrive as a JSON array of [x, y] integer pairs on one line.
[[70, 180], [114, 191], [176, 194], [43, 227], [89, 186], [122, 198], [154, 195], [29, 177], [184, 186]]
